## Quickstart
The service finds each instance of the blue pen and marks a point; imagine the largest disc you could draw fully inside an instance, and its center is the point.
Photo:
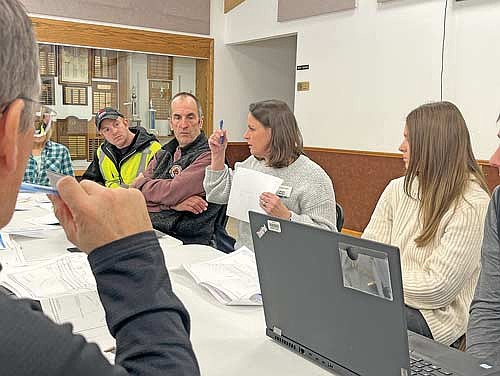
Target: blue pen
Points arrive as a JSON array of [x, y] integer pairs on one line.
[[221, 124], [35, 188]]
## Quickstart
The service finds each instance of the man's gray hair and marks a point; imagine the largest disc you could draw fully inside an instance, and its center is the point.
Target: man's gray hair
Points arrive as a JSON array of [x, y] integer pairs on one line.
[[185, 94], [18, 59]]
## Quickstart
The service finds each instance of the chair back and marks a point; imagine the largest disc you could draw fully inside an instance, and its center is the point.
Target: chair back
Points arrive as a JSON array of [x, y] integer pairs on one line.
[[340, 217], [221, 239]]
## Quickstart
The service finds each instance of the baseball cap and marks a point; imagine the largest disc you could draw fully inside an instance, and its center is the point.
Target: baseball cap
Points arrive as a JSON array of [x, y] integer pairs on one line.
[[106, 113]]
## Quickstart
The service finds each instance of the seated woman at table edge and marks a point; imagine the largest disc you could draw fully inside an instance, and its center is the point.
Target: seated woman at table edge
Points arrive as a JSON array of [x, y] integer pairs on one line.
[[276, 148]]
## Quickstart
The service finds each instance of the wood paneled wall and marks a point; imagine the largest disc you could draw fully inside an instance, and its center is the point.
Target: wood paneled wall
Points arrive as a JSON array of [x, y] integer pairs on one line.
[[359, 177], [205, 90], [120, 38], [231, 4]]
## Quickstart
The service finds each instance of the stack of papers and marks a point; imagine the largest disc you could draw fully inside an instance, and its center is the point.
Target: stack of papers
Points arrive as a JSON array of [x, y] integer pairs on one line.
[[28, 201], [231, 279], [10, 252], [67, 292], [49, 219], [30, 230]]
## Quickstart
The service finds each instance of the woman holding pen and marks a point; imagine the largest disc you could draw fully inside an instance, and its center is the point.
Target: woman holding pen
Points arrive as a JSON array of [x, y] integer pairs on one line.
[[275, 144]]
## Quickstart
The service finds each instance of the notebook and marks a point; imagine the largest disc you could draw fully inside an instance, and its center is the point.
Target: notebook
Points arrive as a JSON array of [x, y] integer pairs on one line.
[[338, 301]]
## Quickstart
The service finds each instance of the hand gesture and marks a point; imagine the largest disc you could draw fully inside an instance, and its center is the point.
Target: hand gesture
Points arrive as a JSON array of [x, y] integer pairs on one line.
[[218, 148], [93, 216]]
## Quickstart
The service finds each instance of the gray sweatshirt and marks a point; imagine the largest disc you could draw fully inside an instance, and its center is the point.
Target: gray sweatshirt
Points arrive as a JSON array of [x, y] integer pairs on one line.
[[311, 201], [483, 332]]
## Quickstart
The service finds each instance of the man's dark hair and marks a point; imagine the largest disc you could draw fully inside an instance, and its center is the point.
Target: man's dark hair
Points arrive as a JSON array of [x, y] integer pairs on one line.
[[186, 94]]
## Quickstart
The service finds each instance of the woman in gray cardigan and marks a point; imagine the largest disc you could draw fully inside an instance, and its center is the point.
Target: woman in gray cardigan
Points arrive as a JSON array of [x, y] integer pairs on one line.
[[275, 143]]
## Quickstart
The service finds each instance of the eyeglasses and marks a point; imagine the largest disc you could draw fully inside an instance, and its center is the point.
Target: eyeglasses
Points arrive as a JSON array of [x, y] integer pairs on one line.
[[44, 118], [41, 116], [4, 108]]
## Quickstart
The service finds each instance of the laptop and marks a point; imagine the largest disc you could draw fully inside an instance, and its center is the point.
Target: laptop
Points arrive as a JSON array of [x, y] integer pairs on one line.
[[338, 301]]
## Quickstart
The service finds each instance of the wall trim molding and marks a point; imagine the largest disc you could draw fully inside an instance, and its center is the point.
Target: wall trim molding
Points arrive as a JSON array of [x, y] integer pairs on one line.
[[120, 38], [337, 151], [352, 152]]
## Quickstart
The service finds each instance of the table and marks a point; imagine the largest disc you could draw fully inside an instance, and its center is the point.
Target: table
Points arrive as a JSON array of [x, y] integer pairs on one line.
[[228, 340]]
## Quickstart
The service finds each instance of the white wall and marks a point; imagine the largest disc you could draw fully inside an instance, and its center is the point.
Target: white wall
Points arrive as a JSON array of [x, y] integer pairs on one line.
[[138, 79], [248, 73], [184, 72], [370, 66], [473, 64]]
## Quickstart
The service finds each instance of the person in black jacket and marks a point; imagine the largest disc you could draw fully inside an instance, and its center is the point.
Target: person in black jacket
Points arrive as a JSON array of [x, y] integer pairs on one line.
[[150, 324], [173, 182], [125, 152]]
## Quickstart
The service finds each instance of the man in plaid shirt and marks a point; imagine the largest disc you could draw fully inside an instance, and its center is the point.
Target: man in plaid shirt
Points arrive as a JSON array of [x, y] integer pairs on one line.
[[46, 155]]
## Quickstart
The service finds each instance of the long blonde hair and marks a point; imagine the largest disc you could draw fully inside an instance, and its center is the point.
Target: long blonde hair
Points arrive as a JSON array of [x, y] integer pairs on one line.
[[442, 158]]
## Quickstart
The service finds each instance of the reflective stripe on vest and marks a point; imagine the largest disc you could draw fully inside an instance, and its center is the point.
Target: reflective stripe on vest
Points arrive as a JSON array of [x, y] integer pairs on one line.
[[144, 158], [107, 179], [112, 175]]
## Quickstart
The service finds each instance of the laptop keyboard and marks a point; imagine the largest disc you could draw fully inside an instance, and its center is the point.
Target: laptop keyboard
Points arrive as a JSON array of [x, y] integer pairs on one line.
[[421, 367]]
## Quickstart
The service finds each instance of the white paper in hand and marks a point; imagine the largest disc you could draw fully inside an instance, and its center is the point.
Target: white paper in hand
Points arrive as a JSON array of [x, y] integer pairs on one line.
[[246, 188]]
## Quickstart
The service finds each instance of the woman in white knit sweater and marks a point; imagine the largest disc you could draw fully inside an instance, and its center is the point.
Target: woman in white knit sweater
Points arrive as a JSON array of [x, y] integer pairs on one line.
[[275, 143], [435, 215]]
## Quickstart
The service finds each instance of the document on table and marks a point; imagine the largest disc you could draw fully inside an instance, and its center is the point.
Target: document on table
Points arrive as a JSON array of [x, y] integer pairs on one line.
[[65, 275], [168, 241], [10, 251], [232, 279], [246, 187], [30, 230], [67, 292], [85, 311], [28, 201], [49, 219]]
